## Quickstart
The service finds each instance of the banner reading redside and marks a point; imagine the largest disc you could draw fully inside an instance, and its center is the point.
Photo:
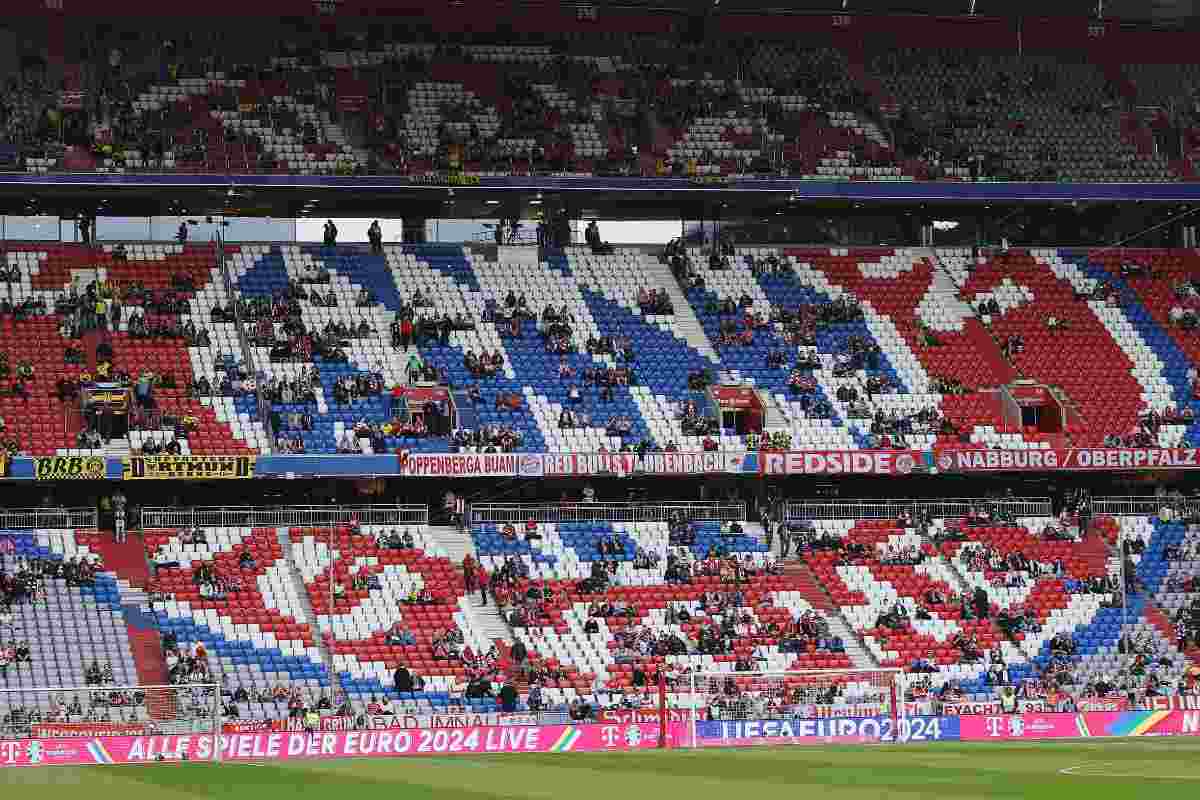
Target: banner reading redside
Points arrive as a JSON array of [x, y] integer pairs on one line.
[[840, 462]]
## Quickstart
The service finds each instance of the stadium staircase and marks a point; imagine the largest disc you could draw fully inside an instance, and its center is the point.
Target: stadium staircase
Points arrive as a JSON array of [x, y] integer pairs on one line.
[[485, 619], [802, 580], [947, 290], [128, 560], [960, 583], [686, 325], [1162, 623], [1095, 551], [306, 608]]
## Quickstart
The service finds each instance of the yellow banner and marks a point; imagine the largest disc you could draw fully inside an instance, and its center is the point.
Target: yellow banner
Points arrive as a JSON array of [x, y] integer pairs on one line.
[[69, 468], [194, 468]]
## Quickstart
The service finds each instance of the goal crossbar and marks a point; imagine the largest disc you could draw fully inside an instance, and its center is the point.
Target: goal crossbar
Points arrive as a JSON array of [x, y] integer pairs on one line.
[[58, 712], [812, 694]]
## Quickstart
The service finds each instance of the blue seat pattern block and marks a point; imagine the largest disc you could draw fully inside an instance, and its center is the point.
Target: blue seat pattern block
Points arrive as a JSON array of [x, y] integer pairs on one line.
[[1153, 565], [539, 369], [103, 591], [269, 276], [364, 688], [446, 259], [449, 358], [297, 668], [784, 292], [360, 266], [489, 542], [584, 539], [709, 537], [751, 362], [662, 360]]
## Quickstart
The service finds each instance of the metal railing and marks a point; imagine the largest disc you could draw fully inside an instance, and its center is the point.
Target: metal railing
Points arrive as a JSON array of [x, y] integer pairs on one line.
[[891, 508], [34, 518], [603, 512], [283, 516], [1144, 505]]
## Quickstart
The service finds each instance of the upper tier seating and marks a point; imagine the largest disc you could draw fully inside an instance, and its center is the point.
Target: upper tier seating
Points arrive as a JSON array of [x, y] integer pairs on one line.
[[840, 107], [1027, 117], [1080, 328], [853, 347], [143, 277]]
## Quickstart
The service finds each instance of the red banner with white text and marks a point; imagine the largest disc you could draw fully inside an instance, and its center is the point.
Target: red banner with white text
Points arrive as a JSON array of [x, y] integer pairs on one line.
[[1078, 459], [329, 724], [840, 462]]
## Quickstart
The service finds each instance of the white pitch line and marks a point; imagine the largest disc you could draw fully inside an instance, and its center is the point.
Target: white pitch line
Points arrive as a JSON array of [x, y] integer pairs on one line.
[[1071, 771]]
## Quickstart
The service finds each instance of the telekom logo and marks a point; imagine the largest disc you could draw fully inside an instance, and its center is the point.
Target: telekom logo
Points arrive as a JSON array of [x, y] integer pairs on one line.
[[10, 751], [1010, 727], [610, 734]]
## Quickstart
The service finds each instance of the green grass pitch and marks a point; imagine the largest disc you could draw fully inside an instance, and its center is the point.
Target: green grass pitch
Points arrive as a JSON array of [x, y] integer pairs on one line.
[[1122, 769]]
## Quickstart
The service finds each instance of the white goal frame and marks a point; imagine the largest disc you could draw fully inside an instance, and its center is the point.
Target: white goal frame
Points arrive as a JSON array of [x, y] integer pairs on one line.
[[895, 700], [210, 724]]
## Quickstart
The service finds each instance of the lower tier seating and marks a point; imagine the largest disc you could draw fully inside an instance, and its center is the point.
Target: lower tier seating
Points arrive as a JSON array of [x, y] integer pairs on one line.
[[61, 625]]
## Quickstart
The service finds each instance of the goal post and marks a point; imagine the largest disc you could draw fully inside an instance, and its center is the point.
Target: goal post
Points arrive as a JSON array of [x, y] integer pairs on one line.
[[739, 708], [97, 711]]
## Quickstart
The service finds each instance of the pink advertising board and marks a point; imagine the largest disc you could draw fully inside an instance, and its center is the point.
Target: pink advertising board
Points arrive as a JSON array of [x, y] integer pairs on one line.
[[283, 746], [1073, 726]]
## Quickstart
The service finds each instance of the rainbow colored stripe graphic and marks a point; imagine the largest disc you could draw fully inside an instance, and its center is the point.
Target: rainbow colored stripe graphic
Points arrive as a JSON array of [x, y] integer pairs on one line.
[[1135, 723], [566, 741], [98, 752]]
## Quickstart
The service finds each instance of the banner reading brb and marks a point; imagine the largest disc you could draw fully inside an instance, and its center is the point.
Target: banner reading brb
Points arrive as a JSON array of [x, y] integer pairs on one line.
[[69, 468], [197, 468]]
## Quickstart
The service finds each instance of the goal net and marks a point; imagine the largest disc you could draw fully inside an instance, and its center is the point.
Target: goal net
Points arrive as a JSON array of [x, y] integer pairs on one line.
[[192, 710], [743, 708]]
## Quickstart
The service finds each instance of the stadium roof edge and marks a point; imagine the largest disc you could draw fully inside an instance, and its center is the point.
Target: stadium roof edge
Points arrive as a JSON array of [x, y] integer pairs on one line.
[[903, 191]]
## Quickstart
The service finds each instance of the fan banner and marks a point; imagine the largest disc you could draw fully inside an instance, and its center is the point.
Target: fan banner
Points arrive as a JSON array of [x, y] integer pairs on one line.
[[470, 465], [1078, 459], [199, 468], [842, 462], [69, 468]]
